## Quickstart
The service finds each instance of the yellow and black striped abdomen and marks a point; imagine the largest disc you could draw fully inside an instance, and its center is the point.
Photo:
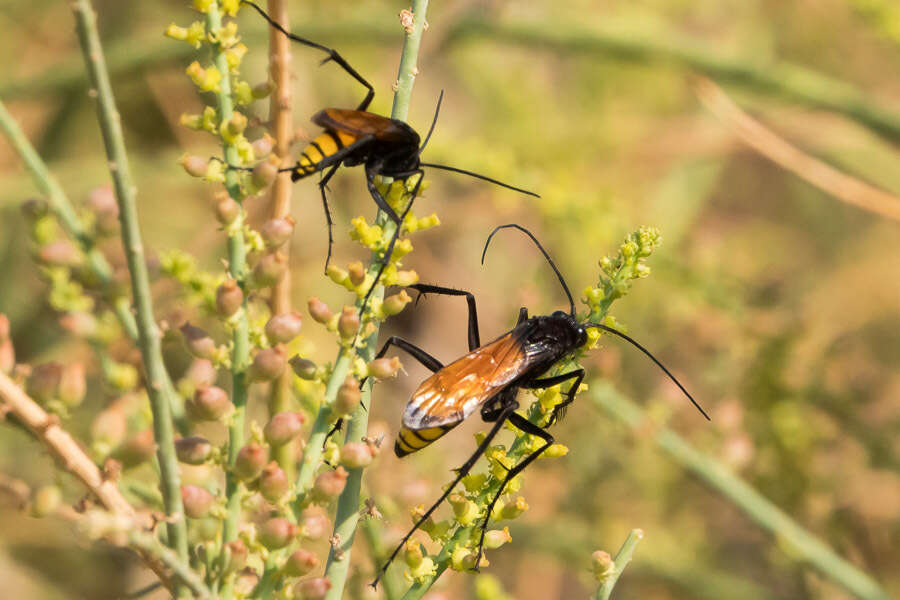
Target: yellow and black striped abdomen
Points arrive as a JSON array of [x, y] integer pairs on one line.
[[319, 149], [412, 440]]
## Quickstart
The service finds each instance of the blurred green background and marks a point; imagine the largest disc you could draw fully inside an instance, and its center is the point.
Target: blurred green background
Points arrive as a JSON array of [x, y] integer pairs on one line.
[[775, 303]]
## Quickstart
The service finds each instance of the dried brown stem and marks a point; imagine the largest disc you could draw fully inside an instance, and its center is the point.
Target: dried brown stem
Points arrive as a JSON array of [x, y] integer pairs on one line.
[[825, 177], [281, 126]]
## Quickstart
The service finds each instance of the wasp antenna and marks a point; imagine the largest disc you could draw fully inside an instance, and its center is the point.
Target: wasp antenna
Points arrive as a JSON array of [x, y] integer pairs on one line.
[[437, 109], [544, 252], [479, 176], [654, 359]]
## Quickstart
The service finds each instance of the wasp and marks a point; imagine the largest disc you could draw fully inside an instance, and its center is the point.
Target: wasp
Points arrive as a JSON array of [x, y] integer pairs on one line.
[[385, 147], [489, 378]]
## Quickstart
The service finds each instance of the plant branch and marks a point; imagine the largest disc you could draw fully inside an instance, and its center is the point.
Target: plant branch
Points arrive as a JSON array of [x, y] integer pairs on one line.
[[151, 546], [803, 544], [347, 515], [281, 127], [623, 557], [825, 177], [64, 211], [148, 331]]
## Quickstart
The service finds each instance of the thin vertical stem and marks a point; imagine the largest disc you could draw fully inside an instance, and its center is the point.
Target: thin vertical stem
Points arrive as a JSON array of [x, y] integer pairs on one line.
[[347, 515], [280, 199], [623, 557], [148, 331], [237, 266]]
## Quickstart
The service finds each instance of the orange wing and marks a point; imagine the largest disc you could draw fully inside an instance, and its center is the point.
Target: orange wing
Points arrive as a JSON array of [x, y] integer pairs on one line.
[[454, 392], [359, 123]]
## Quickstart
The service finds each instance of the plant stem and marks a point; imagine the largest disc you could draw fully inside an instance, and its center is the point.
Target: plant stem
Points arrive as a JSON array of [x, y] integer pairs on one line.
[[148, 332], [237, 266], [150, 545], [347, 515], [623, 557], [65, 213], [280, 201], [373, 532], [788, 532]]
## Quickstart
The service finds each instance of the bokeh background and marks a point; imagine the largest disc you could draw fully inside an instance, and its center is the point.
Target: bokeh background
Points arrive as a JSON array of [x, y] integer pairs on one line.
[[777, 304]]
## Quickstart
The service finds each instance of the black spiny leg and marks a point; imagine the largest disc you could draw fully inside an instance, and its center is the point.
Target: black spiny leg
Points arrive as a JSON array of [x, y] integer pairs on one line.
[[507, 413], [332, 54], [528, 427], [383, 205], [322, 184], [474, 336], [560, 410]]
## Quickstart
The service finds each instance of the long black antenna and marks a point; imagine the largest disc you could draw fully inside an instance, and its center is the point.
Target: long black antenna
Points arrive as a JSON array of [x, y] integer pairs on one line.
[[544, 252], [478, 176], [653, 358], [437, 110]]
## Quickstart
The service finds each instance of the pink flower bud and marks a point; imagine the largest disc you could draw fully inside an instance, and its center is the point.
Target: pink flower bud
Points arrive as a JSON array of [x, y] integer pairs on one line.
[[602, 565], [269, 270], [4, 328], [229, 298], [268, 364], [200, 372], [250, 461], [245, 582], [43, 383], [348, 397], [312, 589], [61, 254], [193, 450], [7, 357], [81, 324], [305, 369], [237, 556], [319, 311], [283, 328], [277, 532], [357, 273], [348, 323], [72, 385], [283, 427], [102, 203], [355, 455], [209, 403], [314, 524], [330, 484], [198, 342], [109, 427], [197, 501], [227, 210], [382, 368], [395, 304], [276, 232], [263, 146], [137, 450], [195, 166], [264, 173], [300, 563], [273, 483]]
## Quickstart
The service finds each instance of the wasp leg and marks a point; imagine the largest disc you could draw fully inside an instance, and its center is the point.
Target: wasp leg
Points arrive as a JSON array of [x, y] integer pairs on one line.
[[560, 410], [462, 472], [324, 182], [474, 336], [427, 360], [332, 54], [528, 427], [399, 220]]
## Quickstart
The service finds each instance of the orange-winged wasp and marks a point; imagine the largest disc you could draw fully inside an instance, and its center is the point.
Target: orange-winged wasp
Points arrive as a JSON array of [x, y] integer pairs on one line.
[[489, 377]]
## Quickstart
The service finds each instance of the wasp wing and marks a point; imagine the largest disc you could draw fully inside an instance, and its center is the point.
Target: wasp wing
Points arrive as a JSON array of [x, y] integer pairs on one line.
[[454, 392], [360, 123]]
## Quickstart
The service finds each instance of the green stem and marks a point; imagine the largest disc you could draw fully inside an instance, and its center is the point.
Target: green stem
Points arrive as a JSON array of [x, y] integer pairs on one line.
[[65, 213], [347, 515], [179, 566], [373, 532], [237, 266], [148, 332], [789, 533], [623, 557]]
